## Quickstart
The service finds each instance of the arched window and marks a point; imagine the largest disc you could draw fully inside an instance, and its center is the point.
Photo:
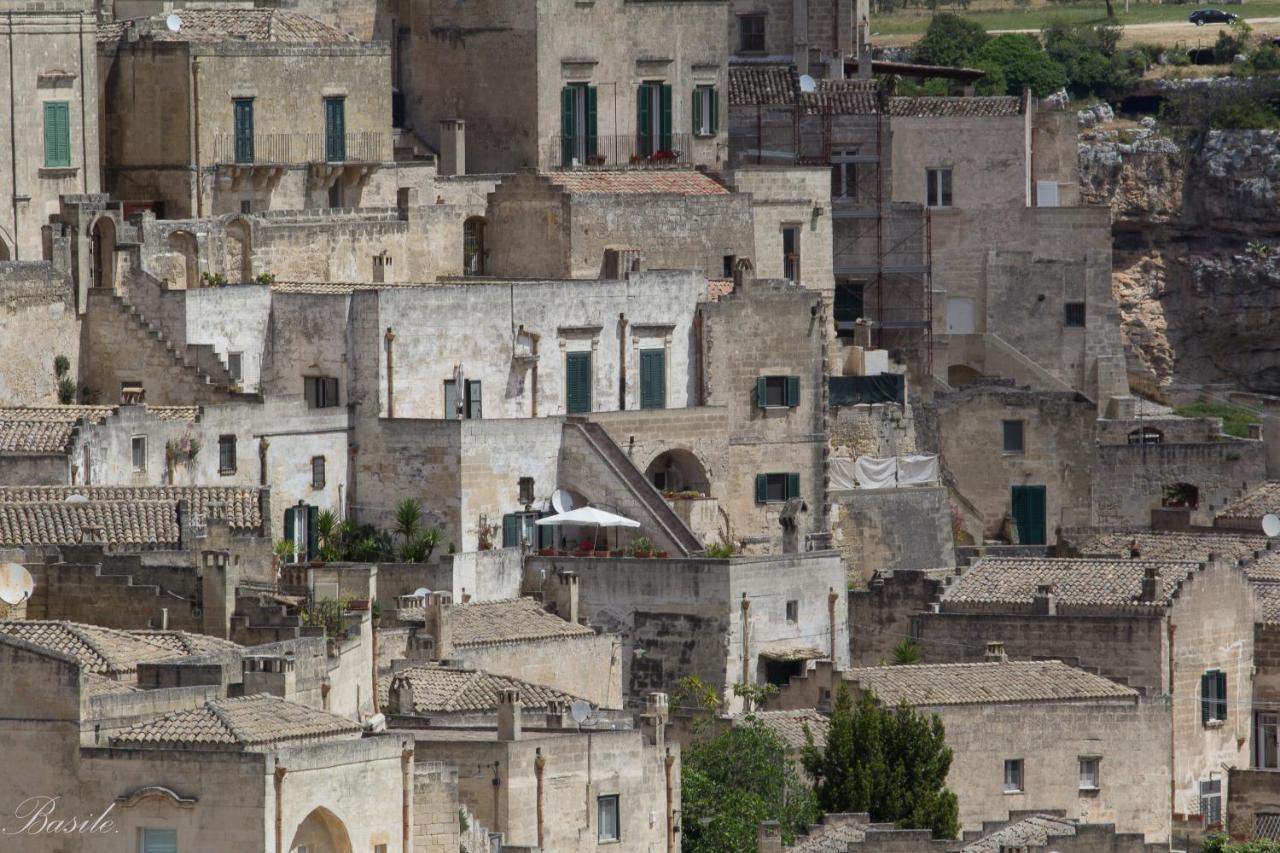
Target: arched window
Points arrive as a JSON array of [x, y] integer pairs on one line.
[[1146, 435], [473, 251], [103, 234], [1180, 496]]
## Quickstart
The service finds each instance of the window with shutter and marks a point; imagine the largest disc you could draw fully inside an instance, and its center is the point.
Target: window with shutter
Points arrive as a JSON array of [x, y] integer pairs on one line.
[[1213, 697], [653, 379], [510, 530], [243, 115], [158, 840], [57, 134], [706, 111], [226, 454], [664, 125], [644, 120], [777, 391], [475, 408], [578, 382], [568, 124], [450, 399], [775, 488], [793, 486], [335, 130]]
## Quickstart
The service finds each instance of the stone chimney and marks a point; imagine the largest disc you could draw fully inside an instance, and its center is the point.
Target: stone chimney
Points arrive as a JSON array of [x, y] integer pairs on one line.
[[1045, 600], [438, 623], [995, 652], [1151, 586], [421, 647], [565, 596], [453, 147], [653, 722], [555, 714], [267, 674], [400, 696], [769, 839], [509, 714]]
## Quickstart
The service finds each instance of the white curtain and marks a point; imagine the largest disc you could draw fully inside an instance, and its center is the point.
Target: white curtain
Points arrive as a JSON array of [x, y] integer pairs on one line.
[[870, 472], [917, 468], [873, 473], [843, 473]]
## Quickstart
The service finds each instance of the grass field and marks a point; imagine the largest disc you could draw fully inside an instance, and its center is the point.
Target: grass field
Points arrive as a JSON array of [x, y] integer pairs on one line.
[[1034, 17]]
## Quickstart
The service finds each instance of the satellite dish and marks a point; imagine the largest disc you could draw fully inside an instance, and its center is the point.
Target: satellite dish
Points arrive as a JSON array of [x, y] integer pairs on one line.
[[579, 710], [1271, 525], [174, 23], [561, 501], [16, 584], [807, 84], [421, 592], [75, 499]]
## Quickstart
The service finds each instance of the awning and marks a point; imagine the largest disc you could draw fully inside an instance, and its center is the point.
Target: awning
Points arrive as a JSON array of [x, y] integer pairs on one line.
[[789, 654], [589, 516]]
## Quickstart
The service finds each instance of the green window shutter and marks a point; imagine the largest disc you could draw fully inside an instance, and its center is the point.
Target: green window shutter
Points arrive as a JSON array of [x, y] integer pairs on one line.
[[313, 513], [288, 524], [715, 110], [243, 110], [335, 130], [653, 379], [762, 391], [697, 109], [57, 134], [568, 123], [664, 125], [1206, 703], [475, 407], [793, 486], [591, 121], [793, 391], [1221, 678], [450, 399], [510, 530], [762, 488], [578, 382], [546, 534], [644, 126]]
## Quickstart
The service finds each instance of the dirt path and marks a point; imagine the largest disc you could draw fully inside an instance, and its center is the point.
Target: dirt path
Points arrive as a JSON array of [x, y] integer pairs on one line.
[[1166, 32]]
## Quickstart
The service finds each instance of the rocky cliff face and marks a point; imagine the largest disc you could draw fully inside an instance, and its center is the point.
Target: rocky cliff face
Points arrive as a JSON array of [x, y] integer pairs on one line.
[[1196, 252]]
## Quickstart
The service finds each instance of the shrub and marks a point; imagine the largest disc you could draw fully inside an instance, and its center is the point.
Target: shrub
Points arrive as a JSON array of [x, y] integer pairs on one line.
[[719, 550], [1265, 58], [66, 390], [1024, 64], [1235, 419], [949, 40], [61, 365], [1231, 41]]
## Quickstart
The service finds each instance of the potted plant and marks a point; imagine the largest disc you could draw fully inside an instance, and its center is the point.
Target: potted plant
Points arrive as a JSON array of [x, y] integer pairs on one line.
[[586, 548], [661, 555], [547, 552], [642, 547]]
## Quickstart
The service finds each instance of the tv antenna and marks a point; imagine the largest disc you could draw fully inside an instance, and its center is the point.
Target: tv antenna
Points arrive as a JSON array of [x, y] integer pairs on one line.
[[16, 584]]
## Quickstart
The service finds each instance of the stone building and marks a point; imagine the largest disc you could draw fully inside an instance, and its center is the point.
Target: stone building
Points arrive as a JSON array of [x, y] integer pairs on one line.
[[50, 120], [446, 693], [1105, 762], [551, 85], [261, 109]]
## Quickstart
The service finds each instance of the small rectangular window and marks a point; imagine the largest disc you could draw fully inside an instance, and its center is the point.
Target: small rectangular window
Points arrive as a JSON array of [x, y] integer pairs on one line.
[[727, 270], [1089, 773], [791, 253], [793, 611], [1267, 741], [1013, 436], [1211, 802], [1213, 697], [526, 490], [938, 187], [246, 205], [1013, 775], [751, 34], [158, 841], [844, 175], [775, 488], [57, 134], [471, 402], [138, 446], [778, 392], [321, 391], [706, 111], [1073, 315], [235, 362], [607, 814], [317, 472], [848, 307], [379, 848], [226, 454]]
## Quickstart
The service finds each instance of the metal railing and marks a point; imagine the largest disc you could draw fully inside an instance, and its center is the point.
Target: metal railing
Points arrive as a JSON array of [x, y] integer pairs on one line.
[[269, 149], [581, 152]]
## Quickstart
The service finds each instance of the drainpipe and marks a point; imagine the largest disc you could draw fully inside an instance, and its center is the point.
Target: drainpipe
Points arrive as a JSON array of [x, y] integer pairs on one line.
[[279, 778], [538, 764], [263, 444], [1173, 756], [84, 137], [498, 823], [746, 644], [832, 598], [390, 338], [622, 362], [13, 147], [373, 632], [406, 798], [667, 762], [195, 133]]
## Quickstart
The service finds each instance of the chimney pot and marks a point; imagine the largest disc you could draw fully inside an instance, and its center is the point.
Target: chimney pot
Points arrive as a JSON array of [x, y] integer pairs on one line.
[[1151, 586], [995, 652], [509, 723]]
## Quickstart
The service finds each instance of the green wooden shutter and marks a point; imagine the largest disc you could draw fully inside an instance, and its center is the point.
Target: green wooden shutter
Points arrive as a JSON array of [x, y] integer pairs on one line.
[[475, 409], [568, 123], [335, 130], [243, 110], [288, 524], [664, 125], [591, 122], [644, 100], [697, 109], [578, 382], [715, 110], [793, 486], [1221, 695], [313, 549], [793, 391], [450, 399], [1206, 703], [653, 379], [762, 391], [546, 534], [57, 134], [762, 488], [510, 530]]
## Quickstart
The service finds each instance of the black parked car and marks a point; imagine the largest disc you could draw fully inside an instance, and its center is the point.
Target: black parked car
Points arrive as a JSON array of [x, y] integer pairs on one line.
[[1200, 17]]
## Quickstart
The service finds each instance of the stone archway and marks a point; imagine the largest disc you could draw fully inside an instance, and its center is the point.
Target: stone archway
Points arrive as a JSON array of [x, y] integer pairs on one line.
[[321, 832], [103, 237], [187, 273], [678, 470], [961, 375], [4, 250], [238, 265]]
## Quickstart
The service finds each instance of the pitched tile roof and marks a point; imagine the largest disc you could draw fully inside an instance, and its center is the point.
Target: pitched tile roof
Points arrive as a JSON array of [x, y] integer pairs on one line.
[[122, 524], [763, 85], [1259, 502], [187, 643], [100, 650], [248, 723], [985, 683], [842, 97], [211, 26], [49, 429], [1267, 595], [931, 107], [92, 684], [789, 726], [1033, 831], [1085, 581], [509, 620], [1173, 546], [239, 505], [833, 835], [718, 288], [439, 689], [1264, 568], [638, 181]]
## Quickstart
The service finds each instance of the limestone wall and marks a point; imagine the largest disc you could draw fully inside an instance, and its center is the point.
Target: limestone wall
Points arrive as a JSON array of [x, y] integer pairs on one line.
[[885, 530], [38, 322]]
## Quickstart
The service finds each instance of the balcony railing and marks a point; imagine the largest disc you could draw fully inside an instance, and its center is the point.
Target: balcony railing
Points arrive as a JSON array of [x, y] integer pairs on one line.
[[270, 149], [582, 152]]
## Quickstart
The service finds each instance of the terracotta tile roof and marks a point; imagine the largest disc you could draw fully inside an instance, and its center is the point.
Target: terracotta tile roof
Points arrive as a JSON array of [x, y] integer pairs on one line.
[[1085, 581], [719, 288], [239, 505], [1261, 501], [504, 621], [248, 723], [842, 97], [441, 690], [100, 650], [1267, 595], [186, 643], [638, 181], [945, 107], [985, 683], [49, 429], [1264, 568], [1173, 546], [763, 85], [1033, 831], [789, 726], [833, 835], [211, 26], [92, 684], [121, 524]]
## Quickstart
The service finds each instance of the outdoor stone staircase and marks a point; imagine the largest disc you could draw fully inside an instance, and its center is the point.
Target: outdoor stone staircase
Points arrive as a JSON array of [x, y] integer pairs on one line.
[[199, 362]]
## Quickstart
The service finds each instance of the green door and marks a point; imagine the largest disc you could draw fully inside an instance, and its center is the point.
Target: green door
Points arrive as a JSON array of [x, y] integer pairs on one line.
[[653, 379], [1029, 514], [335, 130], [578, 382], [243, 108]]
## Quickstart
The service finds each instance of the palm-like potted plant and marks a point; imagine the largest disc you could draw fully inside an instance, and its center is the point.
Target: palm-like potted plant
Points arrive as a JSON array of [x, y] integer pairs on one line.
[[642, 547]]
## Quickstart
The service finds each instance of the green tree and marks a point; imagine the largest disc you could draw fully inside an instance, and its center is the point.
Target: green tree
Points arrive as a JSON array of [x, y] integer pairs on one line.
[[906, 653], [1091, 59], [949, 40], [1223, 844], [732, 782], [891, 764], [1024, 64]]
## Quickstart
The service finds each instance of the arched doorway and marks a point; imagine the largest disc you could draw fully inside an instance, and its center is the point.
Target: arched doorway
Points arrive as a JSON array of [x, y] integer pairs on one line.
[[960, 375], [187, 273], [473, 251], [239, 254], [103, 235], [321, 832], [4, 250], [1180, 496], [678, 470]]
